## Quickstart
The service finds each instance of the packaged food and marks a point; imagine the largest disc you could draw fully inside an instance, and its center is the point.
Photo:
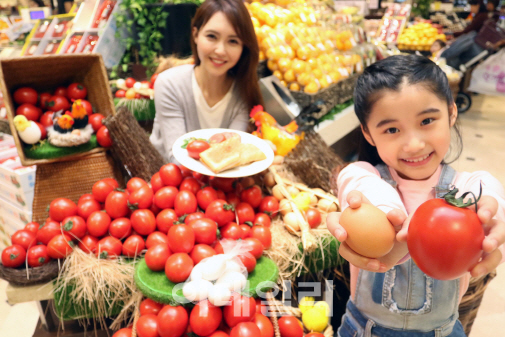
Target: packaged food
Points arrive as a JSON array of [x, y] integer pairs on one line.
[[51, 47], [31, 49], [74, 42], [42, 29], [61, 28], [103, 13], [91, 41]]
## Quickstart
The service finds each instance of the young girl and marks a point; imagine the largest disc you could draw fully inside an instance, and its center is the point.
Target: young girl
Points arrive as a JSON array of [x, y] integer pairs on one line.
[[221, 88], [406, 112]]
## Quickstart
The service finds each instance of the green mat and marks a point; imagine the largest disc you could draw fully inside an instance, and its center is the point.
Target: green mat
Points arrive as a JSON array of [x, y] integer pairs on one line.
[[157, 287], [48, 151], [325, 258], [142, 109]]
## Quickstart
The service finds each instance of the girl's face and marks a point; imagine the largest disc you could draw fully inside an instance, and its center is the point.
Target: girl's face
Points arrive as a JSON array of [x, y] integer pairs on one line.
[[435, 47], [411, 130], [218, 45]]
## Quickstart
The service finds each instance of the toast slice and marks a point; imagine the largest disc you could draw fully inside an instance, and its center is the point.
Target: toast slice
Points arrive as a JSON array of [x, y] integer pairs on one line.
[[222, 156], [250, 153]]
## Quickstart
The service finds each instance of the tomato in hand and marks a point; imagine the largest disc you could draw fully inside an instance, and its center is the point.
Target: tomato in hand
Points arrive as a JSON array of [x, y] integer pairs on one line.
[[220, 212], [13, 256], [269, 205], [88, 244], [205, 318], [246, 329], [98, 223], [185, 203], [37, 256], [142, 198], [263, 234], [245, 213], [156, 238], [60, 246], [178, 267], [96, 121], [76, 91], [103, 137], [133, 246], [196, 147], [205, 230], [165, 219], [147, 326], [25, 95], [60, 208], [57, 103], [190, 184], [156, 182], [290, 326], [120, 228], [75, 226], [143, 221], [262, 219], [102, 188], [172, 321], [181, 239], [171, 175], [252, 196], [205, 196], [313, 217], [264, 324], [165, 197], [241, 309], [86, 207], [200, 252], [156, 257], [48, 231], [24, 238], [109, 247], [148, 306]]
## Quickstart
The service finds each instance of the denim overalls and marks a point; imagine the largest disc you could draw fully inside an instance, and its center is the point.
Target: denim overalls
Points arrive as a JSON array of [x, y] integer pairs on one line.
[[404, 301]]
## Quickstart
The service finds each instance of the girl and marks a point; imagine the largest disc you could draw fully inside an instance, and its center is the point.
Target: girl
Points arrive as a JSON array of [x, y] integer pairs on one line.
[[406, 111], [221, 88]]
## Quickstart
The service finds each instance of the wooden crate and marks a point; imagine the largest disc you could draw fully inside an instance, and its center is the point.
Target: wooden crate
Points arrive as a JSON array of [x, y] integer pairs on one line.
[[44, 73]]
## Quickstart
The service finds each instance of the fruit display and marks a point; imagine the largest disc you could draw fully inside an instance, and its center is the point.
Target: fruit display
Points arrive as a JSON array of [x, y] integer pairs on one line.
[[420, 36], [393, 22], [130, 88]]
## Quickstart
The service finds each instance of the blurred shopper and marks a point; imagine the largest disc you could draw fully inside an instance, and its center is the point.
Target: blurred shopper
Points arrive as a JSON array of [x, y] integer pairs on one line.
[[479, 14]]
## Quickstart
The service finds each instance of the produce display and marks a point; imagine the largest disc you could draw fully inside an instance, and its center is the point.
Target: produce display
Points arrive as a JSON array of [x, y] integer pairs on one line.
[[130, 88], [392, 23], [420, 36]]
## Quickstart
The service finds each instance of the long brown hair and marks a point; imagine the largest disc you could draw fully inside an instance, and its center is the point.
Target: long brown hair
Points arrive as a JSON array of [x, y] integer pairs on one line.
[[244, 72]]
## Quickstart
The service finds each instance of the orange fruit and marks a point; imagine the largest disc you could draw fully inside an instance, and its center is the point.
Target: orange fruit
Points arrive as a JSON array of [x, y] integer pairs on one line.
[[311, 88], [289, 76], [284, 64], [303, 79], [298, 66], [318, 73], [262, 56], [278, 74], [272, 65], [303, 53], [294, 87], [312, 63]]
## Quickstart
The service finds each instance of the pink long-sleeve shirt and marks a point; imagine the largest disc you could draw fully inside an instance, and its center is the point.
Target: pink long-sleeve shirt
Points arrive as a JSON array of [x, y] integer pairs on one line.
[[410, 194]]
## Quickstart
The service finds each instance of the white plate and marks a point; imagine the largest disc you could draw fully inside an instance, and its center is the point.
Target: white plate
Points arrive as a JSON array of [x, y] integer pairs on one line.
[[242, 171]]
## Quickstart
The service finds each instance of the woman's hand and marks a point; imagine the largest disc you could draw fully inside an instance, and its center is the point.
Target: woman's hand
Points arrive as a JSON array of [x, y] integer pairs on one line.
[[355, 199]]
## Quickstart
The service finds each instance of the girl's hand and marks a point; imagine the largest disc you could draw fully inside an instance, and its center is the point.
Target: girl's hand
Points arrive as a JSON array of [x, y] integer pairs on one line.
[[355, 199], [495, 236]]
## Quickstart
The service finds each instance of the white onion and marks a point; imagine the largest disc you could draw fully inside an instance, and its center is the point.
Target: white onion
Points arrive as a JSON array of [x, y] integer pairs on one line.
[[219, 295], [197, 290], [233, 280]]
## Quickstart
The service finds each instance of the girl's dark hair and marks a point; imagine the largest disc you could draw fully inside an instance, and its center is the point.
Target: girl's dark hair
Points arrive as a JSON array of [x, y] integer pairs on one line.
[[391, 74], [440, 42], [244, 72], [482, 7]]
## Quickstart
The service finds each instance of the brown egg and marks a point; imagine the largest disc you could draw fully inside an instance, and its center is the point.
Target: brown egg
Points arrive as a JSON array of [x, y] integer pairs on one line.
[[369, 232]]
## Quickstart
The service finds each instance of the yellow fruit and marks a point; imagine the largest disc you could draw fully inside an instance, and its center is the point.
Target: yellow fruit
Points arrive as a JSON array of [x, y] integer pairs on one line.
[[311, 88], [312, 63], [278, 74], [303, 53], [294, 87], [305, 304], [324, 81], [272, 65], [318, 73], [335, 76], [303, 79], [255, 22], [298, 66], [323, 306], [262, 56], [289, 76], [302, 201], [315, 320], [284, 64]]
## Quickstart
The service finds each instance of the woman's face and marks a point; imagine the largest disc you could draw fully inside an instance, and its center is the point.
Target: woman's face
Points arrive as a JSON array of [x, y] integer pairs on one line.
[[218, 45], [474, 9], [490, 7]]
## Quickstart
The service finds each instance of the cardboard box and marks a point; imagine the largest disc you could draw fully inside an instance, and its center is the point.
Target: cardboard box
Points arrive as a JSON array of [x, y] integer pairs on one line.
[[48, 72]]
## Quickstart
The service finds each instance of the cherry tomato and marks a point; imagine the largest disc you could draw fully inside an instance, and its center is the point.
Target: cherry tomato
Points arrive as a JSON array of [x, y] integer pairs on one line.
[[241, 309], [165, 219], [24, 238], [120, 93], [245, 231], [148, 306], [31, 112], [221, 195], [262, 219], [313, 217], [156, 257], [134, 184], [156, 182], [32, 227], [223, 184], [219, 333], [47, 119], [252, 196], [60, 208], [109, 247], [190, 184], [57, 103], [165, 197], [103, 137], [60, 246], [205, 230], [185, 171], [48, 231], [88, 244], [201, 177], [264, 324], [263, 234], [37, 256], [233, 199], [96, 121], [205, 196], [120, 228], [116, 204], [133, 246], [86, 207], [170, 175], [181, 239], [87, 106], [141, 198], [200, 252], [76, 91], [143, 221], [156, 238], [231, 231], [102, 188], [124, 332], [218, 247], [130, 81], [205, 318], [248, 261], [178, 267], [254, 246], [290, 326], [247, 329], [192, 217], [61, 91], [245, 213], [220, 212], [196, 147], [147, 326], [85, 197], [44, 98], [98, 223], [13, 256], [269, 205], [172, 321], [185, 203], [25, 95], [261, 307], [75, 226]]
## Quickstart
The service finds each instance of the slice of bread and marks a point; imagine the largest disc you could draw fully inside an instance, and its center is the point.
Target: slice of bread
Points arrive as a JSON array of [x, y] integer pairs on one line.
[[250, 153], [222, 156]]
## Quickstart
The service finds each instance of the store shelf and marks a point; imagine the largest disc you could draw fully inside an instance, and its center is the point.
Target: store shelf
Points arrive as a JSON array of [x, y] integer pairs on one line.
[[336, 129]]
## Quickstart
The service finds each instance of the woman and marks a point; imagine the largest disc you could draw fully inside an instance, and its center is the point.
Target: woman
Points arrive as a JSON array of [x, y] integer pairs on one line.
[[221, 88], [480, 15]]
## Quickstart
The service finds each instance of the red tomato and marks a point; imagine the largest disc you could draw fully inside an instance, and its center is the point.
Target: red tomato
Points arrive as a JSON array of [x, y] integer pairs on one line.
[[264, 324], [77, 91], [223, 184], [156, 182], [75, 226], [313, 217], [170, 175], [156, 257], [261, 307], [141, 198], [178, 267], [269, 205], [263, 234], [47, 119], [124, 332], [130, 81], [185, 171], [143, 221], [289, 326], [156, 238], [219, 334], [31, 112], [60, 208], [88, 244], [102, 188], [181, 239], [220, 212], [13, 256], [134, 184], [120, 93], [205, 318], [60, 246], [185, 203], [252, 196], [103, 137], [218, 248], [24, 238], [96, 121], [37, 256], [32, 227], [231, 231], [87, 105], [44, 98], [48, 231], [248, 261], [133, 246], [245, 231], [172, 321], [165, 197], [245, 213], [196, 147], [201, 177], [25, 95], [147, 326], [57, 103], [148, 306], [120, 228], [201, 252], [165, 219], [85, 208], [241, 309], [233, 199], [205, 196], [205, 230], [190, 184], [85, 197], [247, 329], [61, 91], [98, 223], [254, 246], [116, 204], [445, 241], [43, 132], [262, 219], [192, 217], [109, 247], [153, 79]]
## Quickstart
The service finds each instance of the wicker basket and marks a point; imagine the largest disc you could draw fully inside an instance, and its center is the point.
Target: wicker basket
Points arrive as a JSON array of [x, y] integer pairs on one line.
[[70, 179], [25, 277]]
